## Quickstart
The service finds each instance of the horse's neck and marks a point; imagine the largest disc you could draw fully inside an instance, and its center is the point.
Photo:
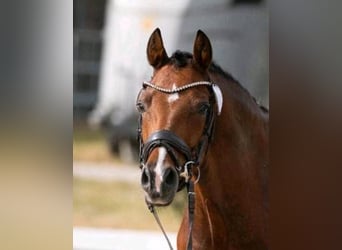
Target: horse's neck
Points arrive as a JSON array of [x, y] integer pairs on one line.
[[239, 149], [234, 176]]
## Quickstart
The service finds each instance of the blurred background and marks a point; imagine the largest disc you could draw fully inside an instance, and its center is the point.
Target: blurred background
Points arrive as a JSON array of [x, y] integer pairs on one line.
[[36, 56], [109, 54]]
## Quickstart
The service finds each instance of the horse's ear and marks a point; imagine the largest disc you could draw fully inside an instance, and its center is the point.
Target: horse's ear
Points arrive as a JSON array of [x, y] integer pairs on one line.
[[156, 53], [202, 50]]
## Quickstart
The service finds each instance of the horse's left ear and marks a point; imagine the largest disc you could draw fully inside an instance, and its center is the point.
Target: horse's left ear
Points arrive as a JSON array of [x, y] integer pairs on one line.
[[202, 50]]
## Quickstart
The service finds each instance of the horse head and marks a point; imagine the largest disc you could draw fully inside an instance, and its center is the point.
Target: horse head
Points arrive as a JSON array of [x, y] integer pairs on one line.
[[177, 109]]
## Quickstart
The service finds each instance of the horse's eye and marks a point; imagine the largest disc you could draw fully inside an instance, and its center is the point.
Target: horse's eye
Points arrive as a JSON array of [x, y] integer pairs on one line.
[[140, 107], [203, 108]]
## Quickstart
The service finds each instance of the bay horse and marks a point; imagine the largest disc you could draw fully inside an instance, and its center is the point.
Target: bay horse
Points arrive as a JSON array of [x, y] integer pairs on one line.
[[199, 126]]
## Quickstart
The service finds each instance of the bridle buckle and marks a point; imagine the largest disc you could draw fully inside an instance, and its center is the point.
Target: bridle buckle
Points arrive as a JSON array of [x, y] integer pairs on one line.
[[186, 173]]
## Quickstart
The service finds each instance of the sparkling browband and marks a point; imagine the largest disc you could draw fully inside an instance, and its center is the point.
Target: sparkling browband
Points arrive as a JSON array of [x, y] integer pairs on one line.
[[176, 90], [216, 89]]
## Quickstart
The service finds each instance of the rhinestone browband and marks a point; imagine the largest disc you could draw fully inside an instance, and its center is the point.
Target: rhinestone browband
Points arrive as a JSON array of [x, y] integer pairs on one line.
[[176, 90]]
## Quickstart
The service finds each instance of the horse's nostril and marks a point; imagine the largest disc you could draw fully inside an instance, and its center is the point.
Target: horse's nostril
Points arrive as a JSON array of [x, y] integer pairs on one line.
[[145, 179], [170, 177]]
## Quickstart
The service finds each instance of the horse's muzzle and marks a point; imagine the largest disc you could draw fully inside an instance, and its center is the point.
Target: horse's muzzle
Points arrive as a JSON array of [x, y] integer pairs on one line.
[[160, 186]]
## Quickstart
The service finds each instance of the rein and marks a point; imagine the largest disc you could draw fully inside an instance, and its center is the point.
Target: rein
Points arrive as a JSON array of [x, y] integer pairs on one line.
[[173, 143]]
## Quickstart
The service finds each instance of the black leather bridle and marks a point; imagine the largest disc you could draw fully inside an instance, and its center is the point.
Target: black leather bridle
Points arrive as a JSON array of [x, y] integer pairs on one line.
[[173, 143]]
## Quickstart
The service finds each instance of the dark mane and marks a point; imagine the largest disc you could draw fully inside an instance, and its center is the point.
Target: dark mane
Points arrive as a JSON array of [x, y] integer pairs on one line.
[[181, 59], [214, 68]]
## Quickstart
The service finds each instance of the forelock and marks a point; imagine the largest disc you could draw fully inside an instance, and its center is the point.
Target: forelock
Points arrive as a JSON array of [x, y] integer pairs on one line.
[[180, 59]]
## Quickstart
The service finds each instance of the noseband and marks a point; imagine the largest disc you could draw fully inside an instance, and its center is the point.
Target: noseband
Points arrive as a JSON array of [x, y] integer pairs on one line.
[[167, 139], [173, 143]]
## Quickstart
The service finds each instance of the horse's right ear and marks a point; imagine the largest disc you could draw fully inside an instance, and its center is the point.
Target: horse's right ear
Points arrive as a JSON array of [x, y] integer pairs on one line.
[[156, 53]]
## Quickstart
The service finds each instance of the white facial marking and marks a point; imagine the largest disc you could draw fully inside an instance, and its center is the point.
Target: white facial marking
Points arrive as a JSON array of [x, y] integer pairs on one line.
[[159, 167], [173, 97]]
